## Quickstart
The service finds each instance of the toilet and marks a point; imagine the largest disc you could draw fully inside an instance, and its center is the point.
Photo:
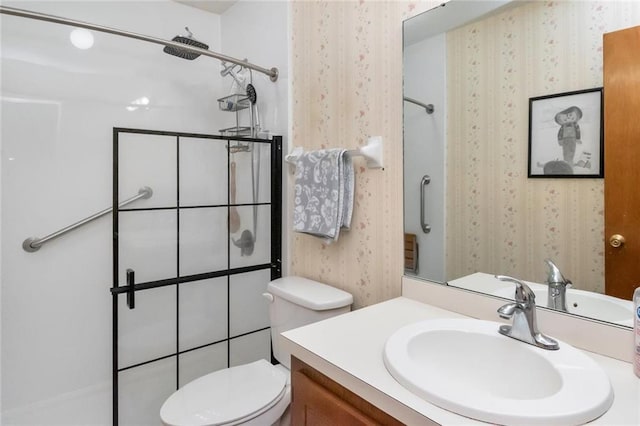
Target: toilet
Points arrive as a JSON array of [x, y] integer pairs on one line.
[[257, 393]]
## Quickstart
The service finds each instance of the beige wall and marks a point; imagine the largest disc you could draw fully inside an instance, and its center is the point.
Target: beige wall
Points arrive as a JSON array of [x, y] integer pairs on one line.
[[346, 85], [500, 221]]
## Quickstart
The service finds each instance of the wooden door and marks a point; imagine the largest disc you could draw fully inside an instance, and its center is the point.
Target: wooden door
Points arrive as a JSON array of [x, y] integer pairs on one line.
[[622, 160]]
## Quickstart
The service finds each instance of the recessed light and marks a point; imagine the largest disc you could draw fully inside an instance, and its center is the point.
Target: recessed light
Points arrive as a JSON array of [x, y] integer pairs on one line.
[[81, 38]]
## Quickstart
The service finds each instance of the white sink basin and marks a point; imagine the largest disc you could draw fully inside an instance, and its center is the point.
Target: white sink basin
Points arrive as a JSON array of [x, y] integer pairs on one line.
[[467, 367], [585, 303]]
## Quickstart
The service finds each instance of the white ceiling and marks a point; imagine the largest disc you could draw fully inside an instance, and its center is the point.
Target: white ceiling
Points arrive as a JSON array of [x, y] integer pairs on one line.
[[213, 6], [447, 16]]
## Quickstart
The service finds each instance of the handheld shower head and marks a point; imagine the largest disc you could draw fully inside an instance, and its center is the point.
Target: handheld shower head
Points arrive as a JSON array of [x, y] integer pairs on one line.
[[188, 40], [252, 94]]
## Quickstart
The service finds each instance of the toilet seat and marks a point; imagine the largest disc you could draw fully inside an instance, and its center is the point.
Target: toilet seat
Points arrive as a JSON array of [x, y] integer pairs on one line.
[[227, 397]]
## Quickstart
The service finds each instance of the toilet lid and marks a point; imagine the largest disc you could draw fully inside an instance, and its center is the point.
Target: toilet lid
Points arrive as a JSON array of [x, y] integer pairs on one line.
[[225, 396]]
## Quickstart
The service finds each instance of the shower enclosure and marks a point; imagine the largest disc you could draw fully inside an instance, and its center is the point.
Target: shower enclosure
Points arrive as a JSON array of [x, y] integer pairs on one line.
[[175, 254], [101, 323]]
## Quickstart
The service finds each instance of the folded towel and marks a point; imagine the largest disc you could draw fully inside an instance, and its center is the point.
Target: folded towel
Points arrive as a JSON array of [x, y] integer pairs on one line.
[[323, 201]]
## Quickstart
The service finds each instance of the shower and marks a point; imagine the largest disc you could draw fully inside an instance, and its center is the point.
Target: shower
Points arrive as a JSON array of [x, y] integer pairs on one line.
[[184, 296], [238, 72], [242, 85]]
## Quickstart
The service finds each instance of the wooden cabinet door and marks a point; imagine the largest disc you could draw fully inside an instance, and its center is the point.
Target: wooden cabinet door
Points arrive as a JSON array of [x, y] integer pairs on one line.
[[316, 406], [622, 160], [317, 400]]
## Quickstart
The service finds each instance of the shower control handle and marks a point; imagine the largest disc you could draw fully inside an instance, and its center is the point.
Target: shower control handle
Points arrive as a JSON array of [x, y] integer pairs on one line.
[[426, 228]]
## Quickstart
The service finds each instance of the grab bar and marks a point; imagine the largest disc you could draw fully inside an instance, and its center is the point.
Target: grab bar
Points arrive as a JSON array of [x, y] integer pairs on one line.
[[32, 244], [429, 108], [423, 183]]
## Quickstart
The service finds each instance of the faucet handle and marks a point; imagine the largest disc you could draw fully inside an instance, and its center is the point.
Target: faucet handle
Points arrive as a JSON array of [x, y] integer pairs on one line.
[[555, 276], [524, 294], [523, 311]]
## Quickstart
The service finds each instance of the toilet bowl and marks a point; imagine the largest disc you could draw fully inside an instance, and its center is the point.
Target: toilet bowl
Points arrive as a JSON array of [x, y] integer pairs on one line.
[[257, 393], [251, 394]]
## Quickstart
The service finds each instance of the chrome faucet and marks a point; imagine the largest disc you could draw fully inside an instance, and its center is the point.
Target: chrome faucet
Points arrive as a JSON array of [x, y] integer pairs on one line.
[[523, 312], [558, 286]]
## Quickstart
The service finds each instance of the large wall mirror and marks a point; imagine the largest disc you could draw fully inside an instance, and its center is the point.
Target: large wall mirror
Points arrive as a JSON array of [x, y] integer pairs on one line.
[[470, 207]]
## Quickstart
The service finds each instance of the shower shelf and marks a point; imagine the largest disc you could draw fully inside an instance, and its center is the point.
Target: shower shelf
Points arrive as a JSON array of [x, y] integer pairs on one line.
[[236, 131], [234, 103]]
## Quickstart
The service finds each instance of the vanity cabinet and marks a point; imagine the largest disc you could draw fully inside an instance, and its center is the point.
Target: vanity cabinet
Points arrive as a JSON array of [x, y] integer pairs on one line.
[[318, 400]]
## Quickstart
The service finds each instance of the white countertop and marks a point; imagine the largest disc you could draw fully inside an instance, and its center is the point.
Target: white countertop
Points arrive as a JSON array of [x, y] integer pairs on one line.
[[349, 349]]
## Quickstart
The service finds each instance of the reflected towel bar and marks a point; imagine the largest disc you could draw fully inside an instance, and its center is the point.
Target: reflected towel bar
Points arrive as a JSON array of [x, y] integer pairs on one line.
[[33, 243], [427, 107]]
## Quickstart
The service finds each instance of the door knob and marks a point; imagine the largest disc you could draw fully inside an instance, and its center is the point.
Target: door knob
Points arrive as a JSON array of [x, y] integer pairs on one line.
[[616, 240]]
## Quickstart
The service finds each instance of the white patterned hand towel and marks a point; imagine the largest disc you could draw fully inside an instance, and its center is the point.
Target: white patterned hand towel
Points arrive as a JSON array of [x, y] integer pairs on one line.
[[323, 201]]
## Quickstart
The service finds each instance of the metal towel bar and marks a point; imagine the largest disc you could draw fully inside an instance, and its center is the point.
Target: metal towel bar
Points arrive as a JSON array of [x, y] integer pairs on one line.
[[32, 244], [372, 152]]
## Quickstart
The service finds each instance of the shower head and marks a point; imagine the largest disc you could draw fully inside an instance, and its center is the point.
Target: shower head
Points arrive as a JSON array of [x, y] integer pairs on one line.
[[251, 93], [188, 40]]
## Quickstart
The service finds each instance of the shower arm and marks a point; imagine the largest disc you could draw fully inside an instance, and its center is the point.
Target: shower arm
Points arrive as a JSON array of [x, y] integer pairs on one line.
[[272, 73]]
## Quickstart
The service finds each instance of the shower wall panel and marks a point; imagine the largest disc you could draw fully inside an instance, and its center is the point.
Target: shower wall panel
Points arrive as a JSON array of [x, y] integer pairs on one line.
[[248, 348], [143, 389], [203, 240], [203, 172], [204, 314], [247, 308]]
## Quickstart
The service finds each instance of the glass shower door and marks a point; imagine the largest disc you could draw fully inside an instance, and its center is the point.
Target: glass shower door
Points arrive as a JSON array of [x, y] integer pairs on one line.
[[187, 293]]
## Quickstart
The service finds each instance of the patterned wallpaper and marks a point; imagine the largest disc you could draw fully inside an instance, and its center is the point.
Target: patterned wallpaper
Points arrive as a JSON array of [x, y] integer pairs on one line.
[[499, 221], [346, 85]]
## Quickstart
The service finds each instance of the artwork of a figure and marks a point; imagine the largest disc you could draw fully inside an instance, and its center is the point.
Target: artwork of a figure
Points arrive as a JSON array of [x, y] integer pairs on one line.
[[566, 135], [569, 133]]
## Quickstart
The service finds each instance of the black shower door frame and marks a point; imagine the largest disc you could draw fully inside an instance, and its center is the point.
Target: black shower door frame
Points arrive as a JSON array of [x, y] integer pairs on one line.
[[129, 290]]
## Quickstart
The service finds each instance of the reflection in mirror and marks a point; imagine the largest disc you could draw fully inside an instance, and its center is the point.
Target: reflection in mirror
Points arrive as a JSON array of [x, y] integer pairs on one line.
[[484, 214]]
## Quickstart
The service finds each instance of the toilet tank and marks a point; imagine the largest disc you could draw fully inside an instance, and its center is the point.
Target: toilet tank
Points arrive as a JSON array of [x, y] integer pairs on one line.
[[297, 301]]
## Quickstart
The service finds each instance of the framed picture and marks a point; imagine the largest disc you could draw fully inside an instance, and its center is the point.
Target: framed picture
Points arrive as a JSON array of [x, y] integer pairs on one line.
[[566, 135]]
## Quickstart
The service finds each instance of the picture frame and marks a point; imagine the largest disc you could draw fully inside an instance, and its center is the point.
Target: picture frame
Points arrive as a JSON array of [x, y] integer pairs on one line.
[[566, 135]]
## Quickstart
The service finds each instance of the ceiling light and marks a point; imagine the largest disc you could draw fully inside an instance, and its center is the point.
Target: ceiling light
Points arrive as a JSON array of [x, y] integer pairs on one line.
[[81, 38]]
